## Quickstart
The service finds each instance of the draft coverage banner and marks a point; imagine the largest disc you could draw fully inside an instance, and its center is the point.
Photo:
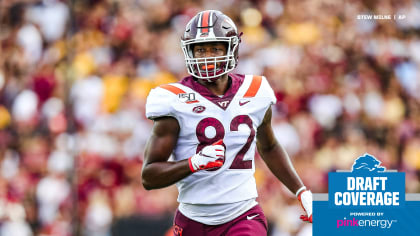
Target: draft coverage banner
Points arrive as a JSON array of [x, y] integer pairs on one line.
[[367, 200]]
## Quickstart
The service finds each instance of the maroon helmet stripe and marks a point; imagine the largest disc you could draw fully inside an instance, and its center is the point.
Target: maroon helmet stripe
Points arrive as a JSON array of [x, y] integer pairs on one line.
[[205, 21]]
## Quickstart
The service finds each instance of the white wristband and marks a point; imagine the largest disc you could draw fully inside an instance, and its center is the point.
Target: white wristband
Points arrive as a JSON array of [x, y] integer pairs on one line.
[[300, 190]]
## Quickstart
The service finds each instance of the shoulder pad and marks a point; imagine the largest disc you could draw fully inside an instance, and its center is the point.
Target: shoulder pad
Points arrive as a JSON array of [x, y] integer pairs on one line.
[[160, 101], [259, 87], [267, 91]]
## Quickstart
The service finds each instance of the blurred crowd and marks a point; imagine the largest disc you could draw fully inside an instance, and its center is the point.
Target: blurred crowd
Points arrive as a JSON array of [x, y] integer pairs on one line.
[[74, 76]]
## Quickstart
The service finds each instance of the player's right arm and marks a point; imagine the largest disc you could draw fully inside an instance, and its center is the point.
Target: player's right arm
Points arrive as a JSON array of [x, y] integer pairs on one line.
[[157, 171]]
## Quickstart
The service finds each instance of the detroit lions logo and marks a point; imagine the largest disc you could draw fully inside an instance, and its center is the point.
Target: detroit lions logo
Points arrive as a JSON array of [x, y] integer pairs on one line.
[[366, 164]]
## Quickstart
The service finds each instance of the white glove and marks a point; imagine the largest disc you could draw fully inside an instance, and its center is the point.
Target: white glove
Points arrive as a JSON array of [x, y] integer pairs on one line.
[[305, 198], [210, 157]]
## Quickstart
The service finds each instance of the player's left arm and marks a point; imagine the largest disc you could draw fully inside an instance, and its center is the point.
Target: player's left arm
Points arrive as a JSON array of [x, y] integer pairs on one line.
[[279, 163]]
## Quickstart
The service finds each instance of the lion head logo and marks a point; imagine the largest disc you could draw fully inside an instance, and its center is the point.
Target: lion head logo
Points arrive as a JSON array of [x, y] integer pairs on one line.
[[367, 163]]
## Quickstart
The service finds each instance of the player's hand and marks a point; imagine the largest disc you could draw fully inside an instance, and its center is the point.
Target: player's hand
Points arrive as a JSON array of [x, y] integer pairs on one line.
[[305, 198], [212, 156]]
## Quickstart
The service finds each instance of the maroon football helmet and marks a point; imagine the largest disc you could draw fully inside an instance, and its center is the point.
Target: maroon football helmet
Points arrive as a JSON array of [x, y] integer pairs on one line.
[[210, 26]]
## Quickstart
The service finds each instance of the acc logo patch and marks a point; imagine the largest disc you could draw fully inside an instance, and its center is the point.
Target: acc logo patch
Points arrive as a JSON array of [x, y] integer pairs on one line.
[[367, 163], [199, 109]]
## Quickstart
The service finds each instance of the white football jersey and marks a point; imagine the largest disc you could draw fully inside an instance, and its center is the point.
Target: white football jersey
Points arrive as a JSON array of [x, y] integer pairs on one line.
[[205, 118]]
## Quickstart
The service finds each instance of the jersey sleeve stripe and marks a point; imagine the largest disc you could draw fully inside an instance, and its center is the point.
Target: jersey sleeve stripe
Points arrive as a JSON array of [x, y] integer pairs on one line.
[[254, 87], [172, 88]]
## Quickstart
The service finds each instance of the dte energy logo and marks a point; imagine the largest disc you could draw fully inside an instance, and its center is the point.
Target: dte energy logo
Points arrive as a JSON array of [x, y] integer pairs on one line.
[[366, 192]]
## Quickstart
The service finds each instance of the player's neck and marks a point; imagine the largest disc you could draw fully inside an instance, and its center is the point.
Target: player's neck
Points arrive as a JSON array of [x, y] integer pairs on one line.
[[218, 87]]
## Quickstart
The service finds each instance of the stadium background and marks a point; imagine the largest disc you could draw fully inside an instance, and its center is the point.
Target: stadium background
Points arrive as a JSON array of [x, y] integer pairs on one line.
[[74, 76]]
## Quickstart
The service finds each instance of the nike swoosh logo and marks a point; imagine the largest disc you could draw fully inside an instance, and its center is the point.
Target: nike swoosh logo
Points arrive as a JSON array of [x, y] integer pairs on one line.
[[243, 103], [252, 217]]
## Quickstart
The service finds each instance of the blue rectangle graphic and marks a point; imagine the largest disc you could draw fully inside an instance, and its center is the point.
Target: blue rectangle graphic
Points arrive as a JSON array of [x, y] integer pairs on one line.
[[329, 220]]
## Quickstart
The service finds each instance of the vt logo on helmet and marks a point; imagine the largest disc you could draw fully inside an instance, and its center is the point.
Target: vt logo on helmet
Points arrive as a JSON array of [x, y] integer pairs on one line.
[[210, 27]]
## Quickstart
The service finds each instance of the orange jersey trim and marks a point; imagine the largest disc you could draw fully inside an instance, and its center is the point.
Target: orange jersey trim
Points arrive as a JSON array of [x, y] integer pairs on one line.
[[254, 87], [176, 91], [172, 88]]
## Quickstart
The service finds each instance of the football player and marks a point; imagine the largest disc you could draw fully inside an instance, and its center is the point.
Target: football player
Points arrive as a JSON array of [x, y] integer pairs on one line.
[[211, 122]]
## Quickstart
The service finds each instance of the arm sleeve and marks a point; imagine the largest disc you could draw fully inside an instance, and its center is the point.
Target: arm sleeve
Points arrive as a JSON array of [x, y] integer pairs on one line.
[[160, 103]]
